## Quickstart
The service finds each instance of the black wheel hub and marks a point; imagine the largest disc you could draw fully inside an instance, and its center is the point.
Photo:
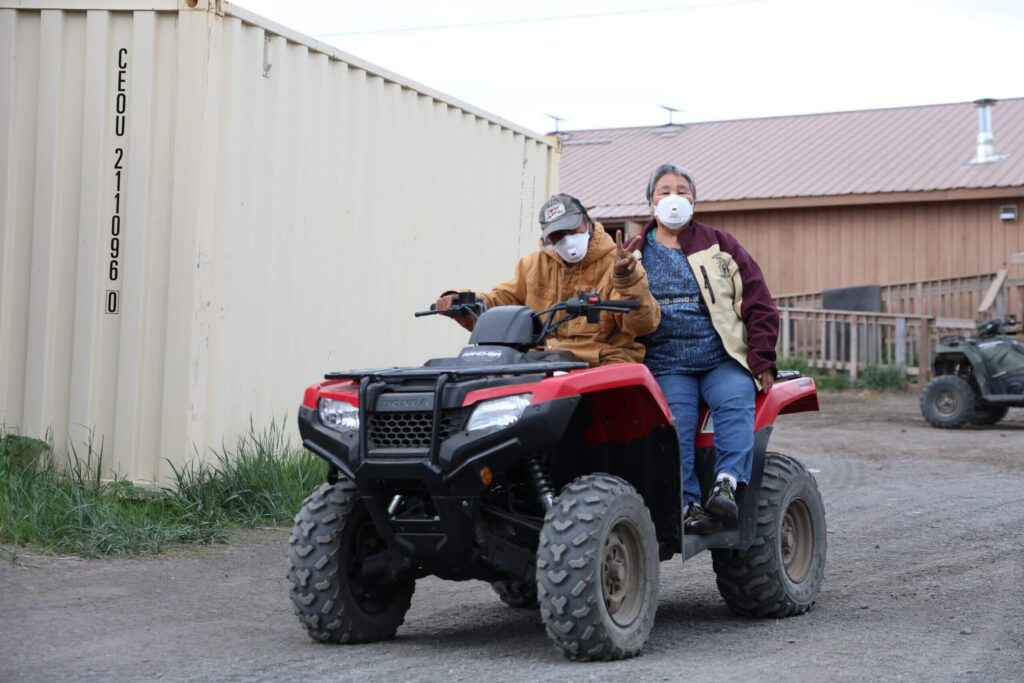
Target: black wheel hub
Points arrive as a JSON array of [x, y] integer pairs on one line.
[[797, 541], [947, 403], [622, 573]]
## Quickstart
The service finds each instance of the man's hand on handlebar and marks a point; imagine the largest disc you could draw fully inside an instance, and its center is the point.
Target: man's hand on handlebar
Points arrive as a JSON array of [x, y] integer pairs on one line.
[[455, 306], [444, 304]]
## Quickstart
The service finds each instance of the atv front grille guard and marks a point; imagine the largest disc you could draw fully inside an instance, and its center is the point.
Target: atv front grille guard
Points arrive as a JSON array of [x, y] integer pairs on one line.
[[409, 429], [441, 377]]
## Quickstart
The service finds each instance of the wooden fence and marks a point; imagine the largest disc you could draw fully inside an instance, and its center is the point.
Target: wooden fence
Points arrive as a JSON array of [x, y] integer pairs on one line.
[[954, 298], [852, 340], [915, 317]]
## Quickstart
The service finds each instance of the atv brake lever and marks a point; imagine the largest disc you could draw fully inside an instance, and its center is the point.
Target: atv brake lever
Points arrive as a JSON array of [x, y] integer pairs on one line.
[[623, 305]]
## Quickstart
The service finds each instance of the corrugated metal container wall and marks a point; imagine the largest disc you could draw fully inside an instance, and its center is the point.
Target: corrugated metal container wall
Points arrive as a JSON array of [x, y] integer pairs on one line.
[[252, 207]]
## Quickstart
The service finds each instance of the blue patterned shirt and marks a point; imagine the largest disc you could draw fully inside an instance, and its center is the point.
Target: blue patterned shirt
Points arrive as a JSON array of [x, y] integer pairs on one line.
[[686, 341]]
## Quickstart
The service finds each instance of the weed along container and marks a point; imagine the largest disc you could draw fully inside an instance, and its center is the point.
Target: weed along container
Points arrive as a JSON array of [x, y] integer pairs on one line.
[[199, 208]]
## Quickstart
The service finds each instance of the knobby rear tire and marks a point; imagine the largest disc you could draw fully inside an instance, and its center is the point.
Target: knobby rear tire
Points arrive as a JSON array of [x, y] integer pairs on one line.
[[781, 574], [987, 415], [518, 594]]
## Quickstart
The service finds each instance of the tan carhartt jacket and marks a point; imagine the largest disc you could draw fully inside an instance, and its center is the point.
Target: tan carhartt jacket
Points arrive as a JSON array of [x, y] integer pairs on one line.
[[543, 279]]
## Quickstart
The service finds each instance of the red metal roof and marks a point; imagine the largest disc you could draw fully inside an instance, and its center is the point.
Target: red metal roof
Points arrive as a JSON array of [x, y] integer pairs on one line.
[[910, 149]]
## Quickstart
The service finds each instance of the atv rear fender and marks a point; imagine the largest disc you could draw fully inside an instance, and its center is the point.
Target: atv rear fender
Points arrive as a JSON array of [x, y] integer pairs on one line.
[[794, 396]]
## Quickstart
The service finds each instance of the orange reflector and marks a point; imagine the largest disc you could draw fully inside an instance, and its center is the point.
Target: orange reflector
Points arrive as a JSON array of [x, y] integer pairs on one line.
[[486, 476]]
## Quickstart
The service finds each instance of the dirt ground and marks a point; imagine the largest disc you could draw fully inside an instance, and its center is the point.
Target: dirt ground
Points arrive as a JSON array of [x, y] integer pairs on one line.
[[925, 581]]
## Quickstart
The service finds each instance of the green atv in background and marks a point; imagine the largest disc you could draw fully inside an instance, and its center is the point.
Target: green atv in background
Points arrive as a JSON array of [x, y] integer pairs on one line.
[[976, 380]]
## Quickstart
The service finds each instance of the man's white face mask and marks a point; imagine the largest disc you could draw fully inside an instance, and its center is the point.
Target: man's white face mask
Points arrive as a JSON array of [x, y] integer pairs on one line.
[[572, 248], [674, 212]]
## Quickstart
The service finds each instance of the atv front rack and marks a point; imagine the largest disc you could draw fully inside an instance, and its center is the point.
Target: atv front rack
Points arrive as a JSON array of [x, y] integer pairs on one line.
[[384, 374]]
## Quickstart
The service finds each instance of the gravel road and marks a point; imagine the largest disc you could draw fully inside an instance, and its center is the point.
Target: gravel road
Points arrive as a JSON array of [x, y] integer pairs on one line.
[[925, 581]]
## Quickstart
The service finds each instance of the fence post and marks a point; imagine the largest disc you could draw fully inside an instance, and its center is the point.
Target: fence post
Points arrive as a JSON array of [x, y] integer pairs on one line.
[[785, 334], [833, 343], [823, 343], [924, 352], [901, 345], [854, 347]]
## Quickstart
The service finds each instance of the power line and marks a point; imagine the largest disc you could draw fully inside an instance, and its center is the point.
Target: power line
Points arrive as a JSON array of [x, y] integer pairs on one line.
[[536, 20]]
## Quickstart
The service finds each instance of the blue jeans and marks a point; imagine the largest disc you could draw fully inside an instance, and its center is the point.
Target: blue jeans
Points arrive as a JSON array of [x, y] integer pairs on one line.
[[729, 392]]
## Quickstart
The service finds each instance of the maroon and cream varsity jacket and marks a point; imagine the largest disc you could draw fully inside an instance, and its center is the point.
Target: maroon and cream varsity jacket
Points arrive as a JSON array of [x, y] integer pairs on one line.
[[735, 293]]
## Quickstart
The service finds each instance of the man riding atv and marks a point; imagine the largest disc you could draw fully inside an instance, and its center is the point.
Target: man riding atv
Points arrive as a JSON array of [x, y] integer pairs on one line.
[[577, 255], [553, 475]]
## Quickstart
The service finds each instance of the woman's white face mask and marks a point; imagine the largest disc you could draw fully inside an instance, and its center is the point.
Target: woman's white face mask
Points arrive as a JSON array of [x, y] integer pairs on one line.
[[674, 212], [572, 248]]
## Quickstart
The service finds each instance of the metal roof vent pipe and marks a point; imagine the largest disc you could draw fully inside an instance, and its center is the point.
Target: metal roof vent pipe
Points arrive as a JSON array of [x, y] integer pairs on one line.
[[985, 151]]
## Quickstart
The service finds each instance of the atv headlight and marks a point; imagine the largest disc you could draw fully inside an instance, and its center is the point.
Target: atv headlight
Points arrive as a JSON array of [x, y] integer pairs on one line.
[[498, 412], [339, 415]]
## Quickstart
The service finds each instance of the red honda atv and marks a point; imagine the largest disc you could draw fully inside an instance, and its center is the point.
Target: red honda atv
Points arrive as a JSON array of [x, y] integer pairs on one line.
[[557, 483]]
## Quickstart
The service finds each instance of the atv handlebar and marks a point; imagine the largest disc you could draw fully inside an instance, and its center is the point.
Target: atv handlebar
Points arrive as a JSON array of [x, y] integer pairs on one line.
[[589, 304], [998, 327], [465, 304]]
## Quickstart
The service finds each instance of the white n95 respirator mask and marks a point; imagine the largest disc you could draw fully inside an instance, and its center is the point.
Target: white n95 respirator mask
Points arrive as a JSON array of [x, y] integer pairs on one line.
[[572, 248], [674, 211]]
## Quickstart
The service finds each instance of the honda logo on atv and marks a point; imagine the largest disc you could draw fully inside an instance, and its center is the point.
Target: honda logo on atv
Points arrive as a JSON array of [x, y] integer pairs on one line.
[[481, 355], [405, 402]]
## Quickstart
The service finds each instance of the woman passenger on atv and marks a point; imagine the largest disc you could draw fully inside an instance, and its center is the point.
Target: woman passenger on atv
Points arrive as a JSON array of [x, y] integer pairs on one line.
[[716, 340], [577, 255]]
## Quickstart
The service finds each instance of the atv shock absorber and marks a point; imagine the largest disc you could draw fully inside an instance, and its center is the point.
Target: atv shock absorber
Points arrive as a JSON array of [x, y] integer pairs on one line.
[[545, 494]]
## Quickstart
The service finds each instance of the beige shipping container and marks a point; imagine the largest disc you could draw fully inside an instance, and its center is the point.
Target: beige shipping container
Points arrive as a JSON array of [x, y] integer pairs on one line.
[[201, 212]]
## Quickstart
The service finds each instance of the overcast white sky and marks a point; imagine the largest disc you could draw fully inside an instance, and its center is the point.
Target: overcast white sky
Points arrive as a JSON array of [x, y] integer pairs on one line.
[[610, 63]]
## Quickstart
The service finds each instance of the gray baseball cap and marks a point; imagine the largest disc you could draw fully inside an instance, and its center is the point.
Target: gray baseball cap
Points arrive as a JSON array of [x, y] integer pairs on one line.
[[560, 212]]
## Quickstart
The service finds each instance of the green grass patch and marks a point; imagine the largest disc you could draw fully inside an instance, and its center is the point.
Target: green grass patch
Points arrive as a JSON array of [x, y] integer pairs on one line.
[[64, 505], [877, 378], [263, 481], [882, 378]]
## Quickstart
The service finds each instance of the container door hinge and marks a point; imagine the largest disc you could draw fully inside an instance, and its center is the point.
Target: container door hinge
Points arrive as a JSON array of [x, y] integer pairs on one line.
[[266, 57]]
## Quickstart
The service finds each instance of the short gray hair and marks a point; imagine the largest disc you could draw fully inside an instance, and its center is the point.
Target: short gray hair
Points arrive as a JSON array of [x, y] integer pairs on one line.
[[664, 170]]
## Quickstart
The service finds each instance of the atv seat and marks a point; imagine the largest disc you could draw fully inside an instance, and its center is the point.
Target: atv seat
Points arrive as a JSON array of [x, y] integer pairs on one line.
[[550, 357]]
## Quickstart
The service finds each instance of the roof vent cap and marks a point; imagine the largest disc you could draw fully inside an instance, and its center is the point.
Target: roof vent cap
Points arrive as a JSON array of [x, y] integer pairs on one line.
[[985, 149]]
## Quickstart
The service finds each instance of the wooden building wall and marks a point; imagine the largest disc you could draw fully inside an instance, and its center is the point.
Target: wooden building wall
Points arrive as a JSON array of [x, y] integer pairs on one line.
[[809, 249], [813, 248]]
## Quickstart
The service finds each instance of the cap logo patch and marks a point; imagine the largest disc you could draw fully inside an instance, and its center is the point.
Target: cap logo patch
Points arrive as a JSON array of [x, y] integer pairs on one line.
[[553, 212]]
